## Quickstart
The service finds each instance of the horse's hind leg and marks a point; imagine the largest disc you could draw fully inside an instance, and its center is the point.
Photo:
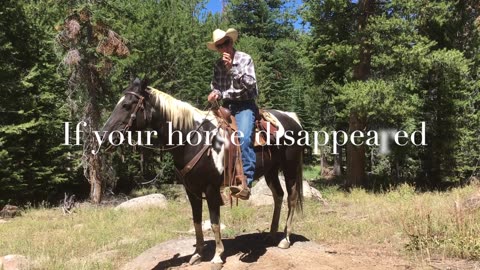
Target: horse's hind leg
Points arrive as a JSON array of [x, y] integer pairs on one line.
[[292, 169], [214, 200], [196, 204], [277, 192]]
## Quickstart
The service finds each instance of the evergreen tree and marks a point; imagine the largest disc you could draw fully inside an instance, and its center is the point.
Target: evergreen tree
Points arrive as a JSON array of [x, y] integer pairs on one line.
[[369, 54], [35, 166]]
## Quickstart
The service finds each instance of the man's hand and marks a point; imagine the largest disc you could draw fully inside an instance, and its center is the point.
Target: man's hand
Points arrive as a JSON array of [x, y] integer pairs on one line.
[[212, 97], [227, 60]]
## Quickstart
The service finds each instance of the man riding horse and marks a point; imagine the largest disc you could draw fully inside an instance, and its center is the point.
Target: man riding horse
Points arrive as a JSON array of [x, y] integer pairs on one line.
[[234, 83], [201, 165]]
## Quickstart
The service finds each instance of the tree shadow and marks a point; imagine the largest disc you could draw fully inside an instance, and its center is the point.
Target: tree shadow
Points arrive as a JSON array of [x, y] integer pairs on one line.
[[250, 246]]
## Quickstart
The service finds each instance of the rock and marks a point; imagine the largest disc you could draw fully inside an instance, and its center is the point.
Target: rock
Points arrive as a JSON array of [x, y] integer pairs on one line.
[[307, 190], [163, 255], [152, 200], [14, 262], [262, 195], [207, 226], [9, 211], [244, 252], [472, 203]]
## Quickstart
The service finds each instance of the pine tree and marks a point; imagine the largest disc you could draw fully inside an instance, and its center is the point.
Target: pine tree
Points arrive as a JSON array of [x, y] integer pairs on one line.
[[88, 44], [370, 54]]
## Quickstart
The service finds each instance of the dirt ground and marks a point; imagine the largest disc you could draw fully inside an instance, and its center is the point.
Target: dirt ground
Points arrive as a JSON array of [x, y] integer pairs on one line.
[[250, 251]]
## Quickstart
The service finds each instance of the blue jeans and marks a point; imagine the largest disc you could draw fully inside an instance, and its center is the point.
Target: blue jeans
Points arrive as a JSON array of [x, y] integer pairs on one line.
[[244, 113]]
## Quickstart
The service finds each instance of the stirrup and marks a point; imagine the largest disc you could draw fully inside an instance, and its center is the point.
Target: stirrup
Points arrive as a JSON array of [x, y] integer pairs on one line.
[[240, 192]]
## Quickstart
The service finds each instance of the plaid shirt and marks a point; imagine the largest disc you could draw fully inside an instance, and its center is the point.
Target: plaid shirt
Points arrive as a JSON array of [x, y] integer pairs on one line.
[[237, 84]]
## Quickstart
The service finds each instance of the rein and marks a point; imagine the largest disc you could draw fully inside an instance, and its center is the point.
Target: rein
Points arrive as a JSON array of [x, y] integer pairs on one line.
[[184, 171], [133, 116]]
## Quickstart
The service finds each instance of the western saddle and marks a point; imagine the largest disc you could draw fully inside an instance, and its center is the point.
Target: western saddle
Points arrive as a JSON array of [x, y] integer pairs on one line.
[[233, 167]]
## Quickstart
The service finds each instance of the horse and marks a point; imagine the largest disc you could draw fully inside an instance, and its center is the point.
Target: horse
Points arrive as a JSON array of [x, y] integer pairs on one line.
[[142, 107]]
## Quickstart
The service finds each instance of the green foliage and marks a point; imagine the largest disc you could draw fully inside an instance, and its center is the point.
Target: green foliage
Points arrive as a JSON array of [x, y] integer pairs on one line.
[[268, 19], [34, 165], [425, 59], [418, 72]]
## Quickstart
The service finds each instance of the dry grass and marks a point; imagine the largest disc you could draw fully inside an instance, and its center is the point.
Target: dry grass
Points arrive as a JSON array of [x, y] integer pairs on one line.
[[424, 225], [91, 238]]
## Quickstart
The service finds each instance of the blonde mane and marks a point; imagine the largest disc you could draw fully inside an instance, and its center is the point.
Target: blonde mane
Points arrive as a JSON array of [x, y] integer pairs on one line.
[[181, 114]]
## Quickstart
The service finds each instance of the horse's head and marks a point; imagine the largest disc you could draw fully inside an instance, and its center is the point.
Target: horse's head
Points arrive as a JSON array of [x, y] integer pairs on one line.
[[133, 112]]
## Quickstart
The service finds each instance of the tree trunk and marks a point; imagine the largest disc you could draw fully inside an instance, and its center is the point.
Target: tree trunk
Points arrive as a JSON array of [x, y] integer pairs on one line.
[[96, 188], [356, 154], [93, 162], [91, 78], [88, 61], [337, 163], [323, 164]]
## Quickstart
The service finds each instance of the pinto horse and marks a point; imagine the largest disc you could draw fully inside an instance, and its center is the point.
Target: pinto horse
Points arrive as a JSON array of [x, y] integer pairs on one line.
[[143, 107]]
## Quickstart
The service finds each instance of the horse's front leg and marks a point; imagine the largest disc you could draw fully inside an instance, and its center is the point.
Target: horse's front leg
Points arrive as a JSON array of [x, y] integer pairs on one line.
[[214, 200], [196, 203]]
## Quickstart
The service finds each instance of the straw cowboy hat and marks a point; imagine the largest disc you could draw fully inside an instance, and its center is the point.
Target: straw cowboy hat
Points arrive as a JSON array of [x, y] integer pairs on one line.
[[219, 35]]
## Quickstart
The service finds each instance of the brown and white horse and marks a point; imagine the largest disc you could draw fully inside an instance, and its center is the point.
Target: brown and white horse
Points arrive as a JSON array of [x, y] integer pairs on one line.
[[143, 108]]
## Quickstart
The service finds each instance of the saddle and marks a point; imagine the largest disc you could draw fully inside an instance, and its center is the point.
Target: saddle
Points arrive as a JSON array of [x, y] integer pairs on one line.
[[233, 167]]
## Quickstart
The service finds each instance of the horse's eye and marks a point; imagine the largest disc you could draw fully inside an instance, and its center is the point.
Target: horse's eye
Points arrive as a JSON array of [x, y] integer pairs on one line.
[[126, 106]]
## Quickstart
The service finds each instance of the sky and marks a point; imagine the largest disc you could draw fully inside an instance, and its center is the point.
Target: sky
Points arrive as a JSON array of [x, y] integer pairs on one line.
[[216, 6]]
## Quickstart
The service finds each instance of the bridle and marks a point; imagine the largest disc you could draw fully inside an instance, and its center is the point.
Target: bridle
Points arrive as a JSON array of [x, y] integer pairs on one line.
[[140, 106]]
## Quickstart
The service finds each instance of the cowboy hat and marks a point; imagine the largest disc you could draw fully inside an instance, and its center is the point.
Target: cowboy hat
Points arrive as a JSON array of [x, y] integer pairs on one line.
[[219, 34]]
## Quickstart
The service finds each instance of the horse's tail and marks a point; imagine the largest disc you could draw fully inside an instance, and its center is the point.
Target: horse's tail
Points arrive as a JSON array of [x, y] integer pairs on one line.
[[299, 183], [299, 172]]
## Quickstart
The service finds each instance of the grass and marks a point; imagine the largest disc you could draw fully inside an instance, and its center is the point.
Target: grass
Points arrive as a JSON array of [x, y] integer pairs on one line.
[[311, 172], [82, 240], [420, 224]]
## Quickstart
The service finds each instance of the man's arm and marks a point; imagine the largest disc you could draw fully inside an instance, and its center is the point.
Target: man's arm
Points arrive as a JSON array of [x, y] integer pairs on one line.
[[248, 79], [245, 78], [215, 94]]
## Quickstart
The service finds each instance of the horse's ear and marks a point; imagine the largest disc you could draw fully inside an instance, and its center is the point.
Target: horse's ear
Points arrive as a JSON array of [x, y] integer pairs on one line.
[[137, 82], [144, 84]]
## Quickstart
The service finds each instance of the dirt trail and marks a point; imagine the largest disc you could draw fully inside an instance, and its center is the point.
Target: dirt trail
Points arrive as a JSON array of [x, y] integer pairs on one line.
[[250, 252]]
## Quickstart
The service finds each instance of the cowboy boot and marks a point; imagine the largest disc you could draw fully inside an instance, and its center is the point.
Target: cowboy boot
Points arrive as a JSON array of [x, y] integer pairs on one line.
[[241, 191]]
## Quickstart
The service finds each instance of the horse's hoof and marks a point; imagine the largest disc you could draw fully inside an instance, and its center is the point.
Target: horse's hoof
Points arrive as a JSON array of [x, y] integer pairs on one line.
[[196, 259], [216, 266], [284, 244], [217, 260]]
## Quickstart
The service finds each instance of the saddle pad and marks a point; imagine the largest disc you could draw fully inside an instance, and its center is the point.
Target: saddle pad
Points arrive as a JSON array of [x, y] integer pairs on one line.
[[269, 117]]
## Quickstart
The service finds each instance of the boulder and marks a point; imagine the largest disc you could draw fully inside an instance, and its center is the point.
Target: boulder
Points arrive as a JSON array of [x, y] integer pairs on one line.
[[472, 203], [9, 211], [14, 262], [262, 195], [152, 200], [207, 226]]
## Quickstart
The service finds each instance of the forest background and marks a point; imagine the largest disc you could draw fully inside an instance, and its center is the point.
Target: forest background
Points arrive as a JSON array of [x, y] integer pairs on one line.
[[339, 64]]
